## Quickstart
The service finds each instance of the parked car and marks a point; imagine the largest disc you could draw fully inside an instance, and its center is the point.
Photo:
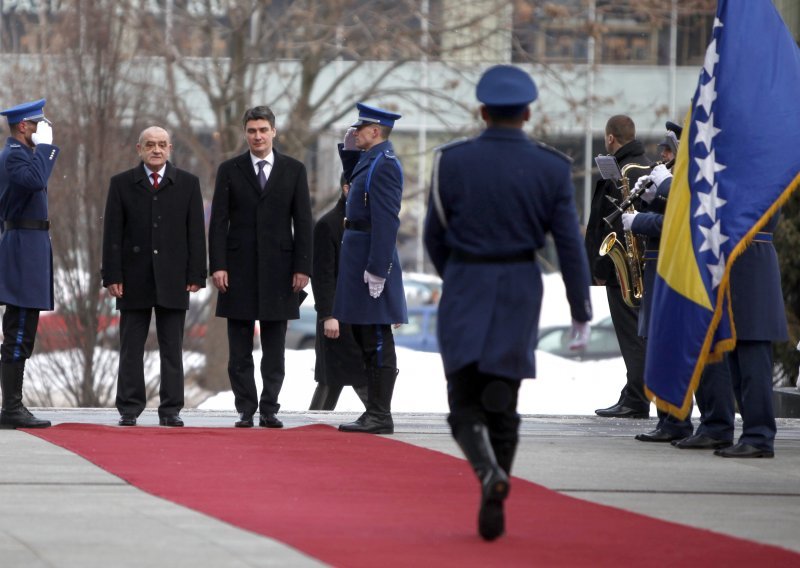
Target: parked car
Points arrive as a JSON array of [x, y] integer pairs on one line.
[[420, 331], [301, 333], [603, 342], [62, 328]]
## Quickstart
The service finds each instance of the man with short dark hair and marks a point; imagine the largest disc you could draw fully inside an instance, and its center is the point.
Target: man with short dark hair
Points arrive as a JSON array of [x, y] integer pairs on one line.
[[26, 257], [620, 140], [259, 241], [493, 200]]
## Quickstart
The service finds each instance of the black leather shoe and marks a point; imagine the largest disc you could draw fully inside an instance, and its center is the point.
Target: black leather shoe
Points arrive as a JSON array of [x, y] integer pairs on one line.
[[657, 435], [619, 410], [173, 421], [701, 442], [744, 451], [269, 420], [127, 420], [245, 421]]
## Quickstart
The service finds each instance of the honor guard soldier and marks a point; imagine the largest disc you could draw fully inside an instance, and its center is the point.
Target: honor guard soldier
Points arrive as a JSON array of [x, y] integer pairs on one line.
[[26, 258], [369, 288], [493, 200]]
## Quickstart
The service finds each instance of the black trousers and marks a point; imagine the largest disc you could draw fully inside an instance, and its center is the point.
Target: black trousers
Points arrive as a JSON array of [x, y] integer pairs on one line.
[[633, 347], [19, 333], [241, 368], [714, 396], [133, 328], [377, 345], [476, 397]]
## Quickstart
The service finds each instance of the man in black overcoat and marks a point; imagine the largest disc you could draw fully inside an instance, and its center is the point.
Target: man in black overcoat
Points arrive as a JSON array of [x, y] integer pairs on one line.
[[339, 359], [154, 255], [259, 240], [620, 141]]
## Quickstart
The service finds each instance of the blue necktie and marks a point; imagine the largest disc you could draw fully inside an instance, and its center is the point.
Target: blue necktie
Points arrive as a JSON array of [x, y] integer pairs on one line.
[[262, 177]]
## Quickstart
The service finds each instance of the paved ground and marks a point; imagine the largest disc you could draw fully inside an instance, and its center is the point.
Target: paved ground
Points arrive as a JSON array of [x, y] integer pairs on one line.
[[57, 510]]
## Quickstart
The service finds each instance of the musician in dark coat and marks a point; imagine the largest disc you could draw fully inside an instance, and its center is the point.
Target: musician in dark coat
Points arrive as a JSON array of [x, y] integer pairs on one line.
[[26, 257], [339, 360], [259, 240], [369, 289], [483, 228], [154, 256], [620, 141]]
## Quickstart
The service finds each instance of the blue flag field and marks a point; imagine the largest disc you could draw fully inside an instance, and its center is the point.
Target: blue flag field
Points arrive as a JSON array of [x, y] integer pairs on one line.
[[737, 164]]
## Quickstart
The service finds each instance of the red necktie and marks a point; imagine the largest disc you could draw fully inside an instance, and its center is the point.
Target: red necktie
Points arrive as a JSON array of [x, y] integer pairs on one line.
[[155, 180]]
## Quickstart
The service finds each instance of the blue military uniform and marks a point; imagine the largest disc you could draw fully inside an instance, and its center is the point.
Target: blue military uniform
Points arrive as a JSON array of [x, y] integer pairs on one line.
[[376, 190], [26, 257], [493, 201], [369, 246]]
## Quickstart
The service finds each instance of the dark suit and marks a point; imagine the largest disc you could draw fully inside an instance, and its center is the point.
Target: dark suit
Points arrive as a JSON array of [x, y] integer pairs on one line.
[[154, 245], [625, 318], [261, 238], [338, 360], [501, 193]]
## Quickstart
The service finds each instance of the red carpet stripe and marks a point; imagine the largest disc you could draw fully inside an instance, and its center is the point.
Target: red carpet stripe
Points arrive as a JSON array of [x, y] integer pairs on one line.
[[360, 500]]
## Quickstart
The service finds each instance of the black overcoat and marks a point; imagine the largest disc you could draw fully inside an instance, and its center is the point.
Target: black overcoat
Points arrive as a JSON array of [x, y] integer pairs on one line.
[[260, 238], [154, 240], [339, 361]]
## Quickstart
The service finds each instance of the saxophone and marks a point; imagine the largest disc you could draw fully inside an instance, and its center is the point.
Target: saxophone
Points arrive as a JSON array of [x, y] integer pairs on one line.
[[627, 259]]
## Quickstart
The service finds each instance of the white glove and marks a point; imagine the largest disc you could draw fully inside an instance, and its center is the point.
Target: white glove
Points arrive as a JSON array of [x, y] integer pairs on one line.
[[579, 335], [650, 190], [659, 174], [375, 284], [627, 220], [349, 140], [43, 134]]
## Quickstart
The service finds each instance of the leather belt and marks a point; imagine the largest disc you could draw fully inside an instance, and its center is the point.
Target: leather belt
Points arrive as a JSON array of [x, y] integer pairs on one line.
[[362, 226], [467, 257], [33, 224]]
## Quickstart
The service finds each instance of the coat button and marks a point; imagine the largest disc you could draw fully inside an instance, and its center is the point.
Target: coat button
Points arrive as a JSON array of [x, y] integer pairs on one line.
[[155, 251]]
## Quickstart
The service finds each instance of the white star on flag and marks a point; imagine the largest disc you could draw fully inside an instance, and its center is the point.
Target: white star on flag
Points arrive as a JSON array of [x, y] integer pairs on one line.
[[713, 238], [708, 95], [709, 203], [717, 271], [706, 132], [708, 167], [712, 57]]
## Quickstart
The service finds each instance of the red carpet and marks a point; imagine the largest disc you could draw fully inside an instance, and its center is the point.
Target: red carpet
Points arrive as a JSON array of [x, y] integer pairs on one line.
[[360, 500]]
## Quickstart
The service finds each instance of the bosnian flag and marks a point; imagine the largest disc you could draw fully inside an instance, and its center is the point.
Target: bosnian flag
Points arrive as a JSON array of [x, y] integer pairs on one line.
[[738, 162]]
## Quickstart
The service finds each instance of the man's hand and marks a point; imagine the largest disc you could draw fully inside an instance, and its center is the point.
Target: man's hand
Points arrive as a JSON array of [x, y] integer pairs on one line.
[[192, 288], [331, 328], [43, 134], [349, 141], [627, 220], [115, 290], [220, 280], [375, 284], [299, 281], [579, 335], [659, 174]]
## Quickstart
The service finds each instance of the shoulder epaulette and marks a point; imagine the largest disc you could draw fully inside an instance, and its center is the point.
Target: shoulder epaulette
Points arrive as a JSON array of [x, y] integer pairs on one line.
[[15, 146], [389, 154], [452, 144], [555, 151]]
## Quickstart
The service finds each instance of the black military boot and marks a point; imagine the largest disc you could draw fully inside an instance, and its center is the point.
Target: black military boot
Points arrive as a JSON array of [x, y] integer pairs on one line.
[[378, 418], [13, 413], [474, 442]]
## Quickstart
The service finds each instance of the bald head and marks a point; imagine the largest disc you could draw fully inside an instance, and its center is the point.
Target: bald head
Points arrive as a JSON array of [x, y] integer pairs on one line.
[[154, 147]]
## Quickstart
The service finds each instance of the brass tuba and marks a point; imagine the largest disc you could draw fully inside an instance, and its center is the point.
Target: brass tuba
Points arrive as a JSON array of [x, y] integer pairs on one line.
[[627, 259]]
